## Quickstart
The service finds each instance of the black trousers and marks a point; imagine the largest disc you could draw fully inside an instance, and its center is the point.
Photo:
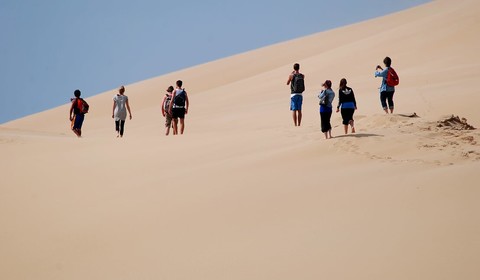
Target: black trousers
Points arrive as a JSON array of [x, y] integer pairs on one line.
[[347, 115], [387, 96], [120, 126], [325, 121]]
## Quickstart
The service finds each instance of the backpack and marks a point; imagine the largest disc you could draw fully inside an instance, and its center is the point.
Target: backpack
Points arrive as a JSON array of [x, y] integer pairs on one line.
[[168, 99], [324, 99], [392, 78], [179, 100], [298, 84], [82, 106]]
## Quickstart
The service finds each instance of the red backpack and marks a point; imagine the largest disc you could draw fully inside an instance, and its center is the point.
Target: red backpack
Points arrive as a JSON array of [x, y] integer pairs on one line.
[[392, 78], [82, 105]]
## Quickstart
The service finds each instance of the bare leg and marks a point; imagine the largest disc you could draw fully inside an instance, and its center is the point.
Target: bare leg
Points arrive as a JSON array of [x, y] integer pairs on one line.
[[330, 133], [175, 123], [182, 125], [299, 117], [391, 110], [352, 125], [345, 127], [77, 132], [294, 117]]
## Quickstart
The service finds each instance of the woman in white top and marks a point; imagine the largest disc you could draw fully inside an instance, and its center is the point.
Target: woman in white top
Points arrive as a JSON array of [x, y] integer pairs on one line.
[[120, 107]]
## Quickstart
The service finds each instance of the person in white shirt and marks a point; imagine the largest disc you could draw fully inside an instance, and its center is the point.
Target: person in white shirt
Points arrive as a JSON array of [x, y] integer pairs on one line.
[[119, 114]]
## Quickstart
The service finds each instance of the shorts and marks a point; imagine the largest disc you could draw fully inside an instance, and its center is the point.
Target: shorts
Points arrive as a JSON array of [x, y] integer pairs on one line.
[[168, 120], [178, 113], [296, 103], [78, 121]]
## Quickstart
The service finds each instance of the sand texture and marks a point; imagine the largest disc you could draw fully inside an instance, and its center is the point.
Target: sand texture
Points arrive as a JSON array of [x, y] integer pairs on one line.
[[244, 194]]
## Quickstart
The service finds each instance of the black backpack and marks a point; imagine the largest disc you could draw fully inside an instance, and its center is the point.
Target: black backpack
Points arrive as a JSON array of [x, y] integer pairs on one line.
[[298, 84], [179, 99]]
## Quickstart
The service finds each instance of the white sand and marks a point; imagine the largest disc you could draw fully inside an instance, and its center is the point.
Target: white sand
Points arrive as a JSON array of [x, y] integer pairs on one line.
[[246, 195]]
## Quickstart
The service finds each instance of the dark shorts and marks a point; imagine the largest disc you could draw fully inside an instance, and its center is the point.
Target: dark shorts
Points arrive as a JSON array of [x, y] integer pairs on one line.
[[78, 121], [178, 113]]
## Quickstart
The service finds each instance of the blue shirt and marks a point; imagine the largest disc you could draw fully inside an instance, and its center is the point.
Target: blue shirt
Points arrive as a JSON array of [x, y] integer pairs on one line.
[[348, 105], [330, 95], [325, 109], [384, 86]]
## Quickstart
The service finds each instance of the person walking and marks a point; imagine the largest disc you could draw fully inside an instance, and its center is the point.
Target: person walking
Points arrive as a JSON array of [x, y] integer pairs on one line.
[[167, 99], [179, 107], [119, 114], [386, 90], [77, 113], [348, 104], [297, 87], [326, 97]]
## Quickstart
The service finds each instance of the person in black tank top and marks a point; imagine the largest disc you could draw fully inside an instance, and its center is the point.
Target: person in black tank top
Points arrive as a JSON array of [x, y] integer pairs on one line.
[[296, 80]]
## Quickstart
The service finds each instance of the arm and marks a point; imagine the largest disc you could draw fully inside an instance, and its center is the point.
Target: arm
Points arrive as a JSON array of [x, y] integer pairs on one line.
[[320, 95], [289, 79], [163, 105], [354, 101], [128, 108], [170, 106], [339, 100], [383, 73], [71, 110], [324, 95], [113, 109]]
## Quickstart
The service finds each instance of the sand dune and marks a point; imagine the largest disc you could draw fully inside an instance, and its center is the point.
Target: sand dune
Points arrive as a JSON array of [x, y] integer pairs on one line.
[[244, 194]]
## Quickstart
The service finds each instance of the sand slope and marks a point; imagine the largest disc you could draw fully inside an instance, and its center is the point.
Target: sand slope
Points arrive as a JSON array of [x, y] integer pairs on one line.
[[244, 194]]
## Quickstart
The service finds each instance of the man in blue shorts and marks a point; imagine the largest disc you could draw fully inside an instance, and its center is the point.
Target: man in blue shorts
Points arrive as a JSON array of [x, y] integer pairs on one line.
[[297, 87], [77, 117]]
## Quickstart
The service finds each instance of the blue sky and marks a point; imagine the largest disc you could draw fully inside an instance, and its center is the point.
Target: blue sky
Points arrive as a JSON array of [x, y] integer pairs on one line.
[[49, 48]]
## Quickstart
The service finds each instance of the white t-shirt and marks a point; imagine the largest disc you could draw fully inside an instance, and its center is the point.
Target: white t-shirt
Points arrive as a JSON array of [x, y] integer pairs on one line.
[[120, 112]]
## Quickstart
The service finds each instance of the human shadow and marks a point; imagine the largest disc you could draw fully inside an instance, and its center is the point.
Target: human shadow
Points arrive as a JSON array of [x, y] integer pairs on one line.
[[358, 135]]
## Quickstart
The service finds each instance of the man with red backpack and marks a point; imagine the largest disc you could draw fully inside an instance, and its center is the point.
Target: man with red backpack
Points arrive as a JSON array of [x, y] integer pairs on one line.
[[389, 81], [79, 108]]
